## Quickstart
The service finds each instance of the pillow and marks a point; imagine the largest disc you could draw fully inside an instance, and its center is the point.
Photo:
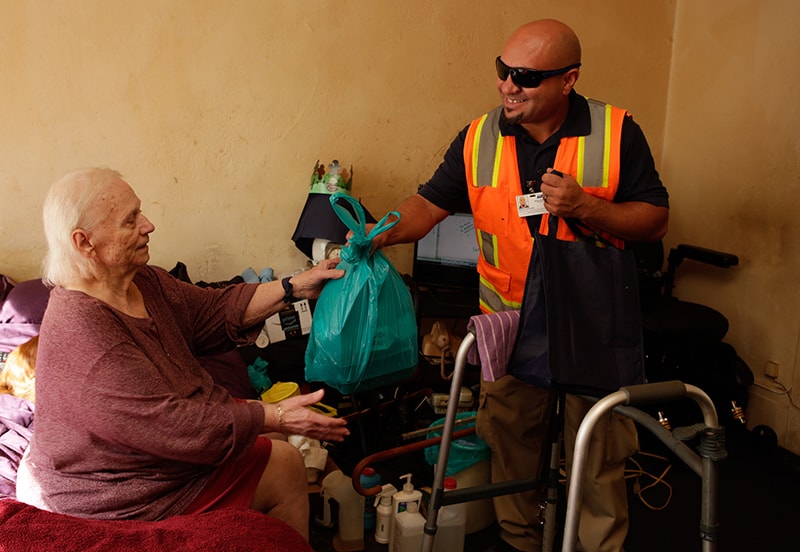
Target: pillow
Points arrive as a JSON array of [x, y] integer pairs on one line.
[[16, 429], [21, 313]]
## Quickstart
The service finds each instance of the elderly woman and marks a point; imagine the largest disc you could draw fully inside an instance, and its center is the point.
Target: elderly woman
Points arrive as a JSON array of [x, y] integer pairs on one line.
[[128, 424]]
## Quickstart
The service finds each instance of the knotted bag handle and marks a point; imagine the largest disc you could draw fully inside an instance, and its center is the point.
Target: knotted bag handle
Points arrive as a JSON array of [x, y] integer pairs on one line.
[[360, 243]]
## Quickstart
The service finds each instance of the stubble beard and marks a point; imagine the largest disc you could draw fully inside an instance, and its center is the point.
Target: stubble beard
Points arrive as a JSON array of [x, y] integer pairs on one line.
[[515, 120]]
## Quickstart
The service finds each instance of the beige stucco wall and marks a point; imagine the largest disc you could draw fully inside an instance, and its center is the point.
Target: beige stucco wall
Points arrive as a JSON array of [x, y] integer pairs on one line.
[[732, 161], [216, 112]]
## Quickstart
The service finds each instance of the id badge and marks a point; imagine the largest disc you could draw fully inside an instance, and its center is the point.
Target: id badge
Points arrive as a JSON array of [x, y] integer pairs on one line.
[[530, 204]]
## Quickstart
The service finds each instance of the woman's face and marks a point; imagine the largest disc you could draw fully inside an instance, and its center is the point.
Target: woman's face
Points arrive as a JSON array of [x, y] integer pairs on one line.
[[121, 236]]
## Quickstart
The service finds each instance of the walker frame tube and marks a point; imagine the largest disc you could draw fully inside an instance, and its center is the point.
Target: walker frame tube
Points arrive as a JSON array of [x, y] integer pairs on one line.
[[639, 394], [438, 497], [444, 445]]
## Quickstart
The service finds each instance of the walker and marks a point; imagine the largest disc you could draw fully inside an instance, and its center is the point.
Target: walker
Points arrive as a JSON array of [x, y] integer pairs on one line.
[[712, 450]]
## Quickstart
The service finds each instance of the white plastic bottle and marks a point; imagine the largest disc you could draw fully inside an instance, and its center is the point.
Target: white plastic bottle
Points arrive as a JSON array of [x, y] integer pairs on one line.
[[383, 513], [350, 522], [451, 523], [409, 529], [400, 502]]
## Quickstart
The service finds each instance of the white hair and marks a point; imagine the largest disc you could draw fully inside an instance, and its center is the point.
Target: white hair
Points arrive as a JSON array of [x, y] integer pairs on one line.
[[67, 207]]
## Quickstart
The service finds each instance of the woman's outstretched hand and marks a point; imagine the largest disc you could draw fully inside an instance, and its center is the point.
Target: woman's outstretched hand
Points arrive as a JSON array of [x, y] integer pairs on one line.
[[293, 417]]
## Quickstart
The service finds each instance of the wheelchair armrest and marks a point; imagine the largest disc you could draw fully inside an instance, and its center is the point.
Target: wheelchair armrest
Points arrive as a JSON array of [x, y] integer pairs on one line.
[[701, 254]]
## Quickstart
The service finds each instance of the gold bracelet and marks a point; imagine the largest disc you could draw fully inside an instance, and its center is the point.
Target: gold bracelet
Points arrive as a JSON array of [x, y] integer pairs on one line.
[[280, 418]]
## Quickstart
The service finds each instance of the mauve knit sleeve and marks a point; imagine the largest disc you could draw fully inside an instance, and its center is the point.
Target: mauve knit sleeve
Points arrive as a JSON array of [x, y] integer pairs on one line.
[[209, 318], [149, 409]]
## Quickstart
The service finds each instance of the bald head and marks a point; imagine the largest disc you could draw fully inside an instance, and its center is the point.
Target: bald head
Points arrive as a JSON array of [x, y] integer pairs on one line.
[[543, 44]]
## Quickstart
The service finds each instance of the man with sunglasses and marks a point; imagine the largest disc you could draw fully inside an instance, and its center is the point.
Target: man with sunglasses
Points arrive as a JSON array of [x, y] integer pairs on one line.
[[580, 164]]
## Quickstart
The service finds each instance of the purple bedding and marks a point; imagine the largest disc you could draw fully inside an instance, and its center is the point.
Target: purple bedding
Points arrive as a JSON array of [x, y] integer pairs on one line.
[[16, 426], [21, 312]]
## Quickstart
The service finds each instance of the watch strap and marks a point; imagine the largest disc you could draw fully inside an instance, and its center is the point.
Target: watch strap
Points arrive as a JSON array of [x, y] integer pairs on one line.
[[288, 291]]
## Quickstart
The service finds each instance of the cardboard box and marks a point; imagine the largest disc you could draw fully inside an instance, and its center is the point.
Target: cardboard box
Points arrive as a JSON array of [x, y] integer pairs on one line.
[[291, 323]]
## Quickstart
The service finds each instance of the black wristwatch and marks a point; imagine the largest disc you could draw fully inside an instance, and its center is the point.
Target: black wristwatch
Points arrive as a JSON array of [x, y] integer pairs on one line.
[[287, 289]]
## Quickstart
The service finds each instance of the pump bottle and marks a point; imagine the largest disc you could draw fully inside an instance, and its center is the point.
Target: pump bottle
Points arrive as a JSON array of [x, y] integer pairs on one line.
[[409, 529], [401, 501], [383, 513]]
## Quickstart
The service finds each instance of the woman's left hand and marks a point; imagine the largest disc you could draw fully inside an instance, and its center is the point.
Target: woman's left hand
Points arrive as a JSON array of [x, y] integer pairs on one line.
[[293, 417]]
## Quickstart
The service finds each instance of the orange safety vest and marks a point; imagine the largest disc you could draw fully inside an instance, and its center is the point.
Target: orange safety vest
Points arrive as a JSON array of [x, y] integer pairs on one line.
[[493, 180]]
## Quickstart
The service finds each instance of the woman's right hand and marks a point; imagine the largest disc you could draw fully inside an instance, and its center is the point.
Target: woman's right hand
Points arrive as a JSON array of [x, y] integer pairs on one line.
[[309, 283]]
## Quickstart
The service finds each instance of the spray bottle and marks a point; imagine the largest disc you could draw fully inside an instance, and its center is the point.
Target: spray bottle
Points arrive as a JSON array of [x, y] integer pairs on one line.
[[383, 513], [400, 502]]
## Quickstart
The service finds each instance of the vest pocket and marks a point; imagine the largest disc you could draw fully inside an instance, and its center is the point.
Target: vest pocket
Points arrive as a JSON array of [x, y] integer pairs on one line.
[[490, 210], [501, 279]]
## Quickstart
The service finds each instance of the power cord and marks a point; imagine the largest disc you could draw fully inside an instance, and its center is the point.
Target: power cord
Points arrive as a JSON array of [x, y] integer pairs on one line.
[[782, 391], [638, 472]]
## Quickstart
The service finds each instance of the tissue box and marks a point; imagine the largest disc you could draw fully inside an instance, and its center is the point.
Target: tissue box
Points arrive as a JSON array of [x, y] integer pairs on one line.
[[292, 322]]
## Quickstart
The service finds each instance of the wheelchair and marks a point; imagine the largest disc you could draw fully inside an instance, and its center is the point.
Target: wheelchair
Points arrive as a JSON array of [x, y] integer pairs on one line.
[[684, 340]]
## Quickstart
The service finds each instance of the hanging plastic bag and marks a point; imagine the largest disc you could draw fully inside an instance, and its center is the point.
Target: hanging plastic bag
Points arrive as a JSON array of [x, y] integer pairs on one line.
[[364, 330]]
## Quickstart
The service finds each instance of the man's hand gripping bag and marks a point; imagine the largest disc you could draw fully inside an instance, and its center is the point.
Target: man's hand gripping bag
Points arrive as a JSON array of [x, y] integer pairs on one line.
[[364, 330]]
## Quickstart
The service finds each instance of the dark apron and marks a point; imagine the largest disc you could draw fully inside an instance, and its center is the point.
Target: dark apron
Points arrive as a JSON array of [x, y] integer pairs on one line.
[[580, 327]]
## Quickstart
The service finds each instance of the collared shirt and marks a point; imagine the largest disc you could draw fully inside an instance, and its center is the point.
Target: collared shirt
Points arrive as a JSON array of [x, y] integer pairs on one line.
[[639, 180]]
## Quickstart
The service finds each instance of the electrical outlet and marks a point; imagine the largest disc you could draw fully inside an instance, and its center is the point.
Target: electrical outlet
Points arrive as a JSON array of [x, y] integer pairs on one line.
[[772, 369]]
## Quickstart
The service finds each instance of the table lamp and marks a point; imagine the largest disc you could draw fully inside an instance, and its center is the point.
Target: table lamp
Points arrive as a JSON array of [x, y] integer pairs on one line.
[[319, 232]]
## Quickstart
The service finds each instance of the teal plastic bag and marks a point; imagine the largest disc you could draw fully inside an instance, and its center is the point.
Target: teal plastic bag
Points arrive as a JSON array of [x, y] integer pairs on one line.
[[364, 329], [464, 452]]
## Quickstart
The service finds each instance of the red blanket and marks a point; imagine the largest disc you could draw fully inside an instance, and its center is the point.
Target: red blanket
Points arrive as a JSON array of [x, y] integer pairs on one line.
[[25, 528]]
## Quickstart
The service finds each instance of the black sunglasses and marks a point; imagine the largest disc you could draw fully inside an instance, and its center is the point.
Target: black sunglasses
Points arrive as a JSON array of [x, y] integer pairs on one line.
[[528, 78]]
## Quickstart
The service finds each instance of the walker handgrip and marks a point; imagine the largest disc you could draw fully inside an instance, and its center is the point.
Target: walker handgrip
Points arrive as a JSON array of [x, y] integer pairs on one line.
[[655, 392]]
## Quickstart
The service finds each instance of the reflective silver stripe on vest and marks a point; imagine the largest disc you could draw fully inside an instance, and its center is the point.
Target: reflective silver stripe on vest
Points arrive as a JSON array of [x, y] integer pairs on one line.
[[492, 301], [486, 242], [488, 148], [596, 147], [593, 159]]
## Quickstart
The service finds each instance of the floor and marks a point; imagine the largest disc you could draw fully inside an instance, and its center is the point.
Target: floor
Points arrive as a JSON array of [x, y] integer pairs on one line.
[[757, 499]]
